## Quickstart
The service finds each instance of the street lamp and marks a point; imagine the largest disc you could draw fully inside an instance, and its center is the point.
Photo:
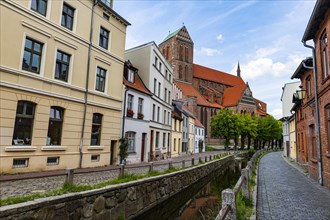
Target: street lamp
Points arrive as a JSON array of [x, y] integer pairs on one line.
[[301, 93]]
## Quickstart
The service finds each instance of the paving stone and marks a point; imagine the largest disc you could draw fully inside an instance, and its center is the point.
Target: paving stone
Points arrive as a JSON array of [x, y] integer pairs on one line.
[[285, 193]]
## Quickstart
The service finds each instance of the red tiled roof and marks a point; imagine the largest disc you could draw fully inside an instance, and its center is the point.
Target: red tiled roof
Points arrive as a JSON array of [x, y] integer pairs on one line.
[[187, 110], [188, 90], [203, 72], [232, 95], [137, 85], [198, 123], [262, 108]]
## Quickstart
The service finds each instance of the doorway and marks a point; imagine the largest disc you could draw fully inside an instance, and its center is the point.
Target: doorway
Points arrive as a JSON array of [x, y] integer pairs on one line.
[[151, 156], [112, 152], [142, 146]]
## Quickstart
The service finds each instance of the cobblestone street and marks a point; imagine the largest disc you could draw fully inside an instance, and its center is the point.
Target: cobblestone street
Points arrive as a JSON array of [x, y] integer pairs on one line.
[[24, 186], [286, 193]]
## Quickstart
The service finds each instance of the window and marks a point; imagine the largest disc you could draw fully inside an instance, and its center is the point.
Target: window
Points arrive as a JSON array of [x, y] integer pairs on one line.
[[62, 66], [169, 97], [186, 53], [96, 129], [168, 118], [53, 161], [166, 74], [55, 126], [104, 38], [19, 163], [158, 112], [95, 157], [39, 6], [160, 66], [130, 101], [164, 122], [180, 72], [156, 61], [131, 76], [174, 144], [325, 56], [155, 85], [186, 73], [32, 55], [313, 140], [165, 95], [23, 123], [327, 123], [106, 17], [140, 105], [164, 140], [131, 141], [168, 140], [153, 111], [108, 3], [159, 88], [67, 16], [100, 79], [157, 140], [308, 86], [181, 53], [169, 77]]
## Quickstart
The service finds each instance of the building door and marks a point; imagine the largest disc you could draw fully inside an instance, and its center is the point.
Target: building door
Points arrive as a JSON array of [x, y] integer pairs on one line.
[[112, 152], [287, 145], [151, 156], [142, 145]]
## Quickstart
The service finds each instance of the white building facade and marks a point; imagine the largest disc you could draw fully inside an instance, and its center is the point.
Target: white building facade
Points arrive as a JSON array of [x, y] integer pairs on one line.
[[199, 136], [156, 73]]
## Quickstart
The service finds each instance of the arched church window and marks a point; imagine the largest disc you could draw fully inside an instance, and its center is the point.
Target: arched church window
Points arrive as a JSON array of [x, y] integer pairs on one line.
[[186, 73], [180, 72]]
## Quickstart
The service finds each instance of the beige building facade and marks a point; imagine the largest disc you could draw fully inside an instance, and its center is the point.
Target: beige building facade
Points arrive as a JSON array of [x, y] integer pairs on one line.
[[60, 87]]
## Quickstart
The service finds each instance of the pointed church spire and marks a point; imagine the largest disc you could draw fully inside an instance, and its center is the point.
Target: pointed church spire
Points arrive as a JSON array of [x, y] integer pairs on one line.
[[238, 70]]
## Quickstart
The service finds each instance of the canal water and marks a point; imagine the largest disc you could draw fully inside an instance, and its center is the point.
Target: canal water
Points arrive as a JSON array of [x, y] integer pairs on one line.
[[201, 200]]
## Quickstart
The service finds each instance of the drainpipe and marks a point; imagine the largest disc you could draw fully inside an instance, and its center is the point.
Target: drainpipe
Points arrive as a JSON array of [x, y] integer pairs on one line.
[[319, 155], [123, 127], [86, 85]]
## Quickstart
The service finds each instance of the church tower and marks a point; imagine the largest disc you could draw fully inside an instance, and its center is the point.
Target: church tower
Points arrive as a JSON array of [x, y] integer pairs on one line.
[[178, 48], [238, 71]]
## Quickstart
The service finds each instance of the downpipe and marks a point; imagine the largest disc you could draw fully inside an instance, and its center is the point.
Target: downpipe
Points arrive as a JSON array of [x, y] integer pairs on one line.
[[319, 149]]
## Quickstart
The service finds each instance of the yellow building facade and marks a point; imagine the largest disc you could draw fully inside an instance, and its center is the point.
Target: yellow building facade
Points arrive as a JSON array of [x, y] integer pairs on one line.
[[191, 134], [60, 86], [292, 130], [176, 136]]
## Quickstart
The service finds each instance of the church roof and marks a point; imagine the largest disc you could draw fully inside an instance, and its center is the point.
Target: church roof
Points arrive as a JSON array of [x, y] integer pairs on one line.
[[172, 34], [198, 123], [189, 91], [181, 33], [232, 95], [203, 72], [261, 107]]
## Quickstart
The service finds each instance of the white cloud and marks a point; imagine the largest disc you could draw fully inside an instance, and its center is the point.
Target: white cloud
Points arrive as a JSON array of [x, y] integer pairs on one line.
[[209, 52], [277, 113], [267, 51], [220, 37]]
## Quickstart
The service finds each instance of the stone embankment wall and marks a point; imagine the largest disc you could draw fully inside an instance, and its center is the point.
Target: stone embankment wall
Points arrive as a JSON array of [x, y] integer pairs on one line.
[[126, 201]]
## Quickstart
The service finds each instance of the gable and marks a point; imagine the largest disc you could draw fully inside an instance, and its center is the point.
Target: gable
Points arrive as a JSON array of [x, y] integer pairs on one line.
[[184, 35]]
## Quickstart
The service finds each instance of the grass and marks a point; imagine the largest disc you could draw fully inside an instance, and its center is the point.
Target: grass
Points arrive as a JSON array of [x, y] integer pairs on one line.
[[244, 207], [71, 188]]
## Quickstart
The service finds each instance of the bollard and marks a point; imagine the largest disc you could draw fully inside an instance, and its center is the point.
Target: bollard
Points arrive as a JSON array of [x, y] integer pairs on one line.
[[200, 160], [170, 164], [228, 198], [151, 168], [213, 157], [245, 186], [122, 170], [210, 157], [183, 164], [205, 159], [192, 161], [69, 176]]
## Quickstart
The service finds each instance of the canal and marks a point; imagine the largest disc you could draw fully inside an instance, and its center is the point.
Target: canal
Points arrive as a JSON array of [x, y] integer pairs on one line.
[[202, 200]]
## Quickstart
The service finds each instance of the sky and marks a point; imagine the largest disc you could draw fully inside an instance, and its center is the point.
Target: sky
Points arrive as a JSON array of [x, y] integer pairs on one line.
[[263, 35]]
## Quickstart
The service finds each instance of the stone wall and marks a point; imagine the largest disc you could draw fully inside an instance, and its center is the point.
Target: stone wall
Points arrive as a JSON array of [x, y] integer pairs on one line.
[[126, 201]]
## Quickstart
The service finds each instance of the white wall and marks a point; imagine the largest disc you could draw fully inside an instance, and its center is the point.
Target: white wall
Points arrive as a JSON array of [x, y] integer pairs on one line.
[[199, 135], [287, 93]]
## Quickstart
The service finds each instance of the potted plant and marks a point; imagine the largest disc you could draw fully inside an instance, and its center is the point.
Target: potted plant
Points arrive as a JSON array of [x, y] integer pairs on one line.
[[130, 113], [140, 116]]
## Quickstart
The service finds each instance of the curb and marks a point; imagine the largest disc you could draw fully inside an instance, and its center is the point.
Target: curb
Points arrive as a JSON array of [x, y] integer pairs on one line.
[[296, 166]]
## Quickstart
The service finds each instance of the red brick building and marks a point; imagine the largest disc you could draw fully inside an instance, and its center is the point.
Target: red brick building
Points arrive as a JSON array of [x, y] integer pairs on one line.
[[203, 89], [313, 135]]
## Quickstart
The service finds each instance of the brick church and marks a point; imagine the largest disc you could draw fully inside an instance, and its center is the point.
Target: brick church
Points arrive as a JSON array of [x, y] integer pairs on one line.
[[204, 90]]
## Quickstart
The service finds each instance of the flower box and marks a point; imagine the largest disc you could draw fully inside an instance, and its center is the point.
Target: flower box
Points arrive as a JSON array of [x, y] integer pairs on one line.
[[140, 116], [130, 113]]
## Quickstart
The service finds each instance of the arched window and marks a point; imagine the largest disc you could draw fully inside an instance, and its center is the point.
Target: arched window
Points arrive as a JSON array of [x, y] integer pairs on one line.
[[168, 52], [186, 53], [23, 123], [186, 73], [324, 55], [96, 129], [130, 135], [327, 124], [181, 53], [180, 72], [55, 125]]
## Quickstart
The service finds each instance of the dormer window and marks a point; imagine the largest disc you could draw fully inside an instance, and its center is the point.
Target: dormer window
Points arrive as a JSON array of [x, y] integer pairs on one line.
[[131, 76]]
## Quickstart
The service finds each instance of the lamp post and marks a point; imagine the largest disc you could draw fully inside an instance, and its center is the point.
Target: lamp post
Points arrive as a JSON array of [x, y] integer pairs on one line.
[[301, 93]]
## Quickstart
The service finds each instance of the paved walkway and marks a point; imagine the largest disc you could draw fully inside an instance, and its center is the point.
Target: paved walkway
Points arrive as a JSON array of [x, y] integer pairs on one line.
[[286, 193]]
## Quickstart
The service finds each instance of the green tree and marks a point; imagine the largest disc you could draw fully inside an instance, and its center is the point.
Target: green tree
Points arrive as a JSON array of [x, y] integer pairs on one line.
[[248, 128], [225, 124], [123, 147]]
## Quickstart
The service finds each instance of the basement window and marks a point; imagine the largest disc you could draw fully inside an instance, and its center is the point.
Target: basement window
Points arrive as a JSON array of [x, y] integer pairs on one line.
[[51, 161], [19, 163], [95, 158]]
